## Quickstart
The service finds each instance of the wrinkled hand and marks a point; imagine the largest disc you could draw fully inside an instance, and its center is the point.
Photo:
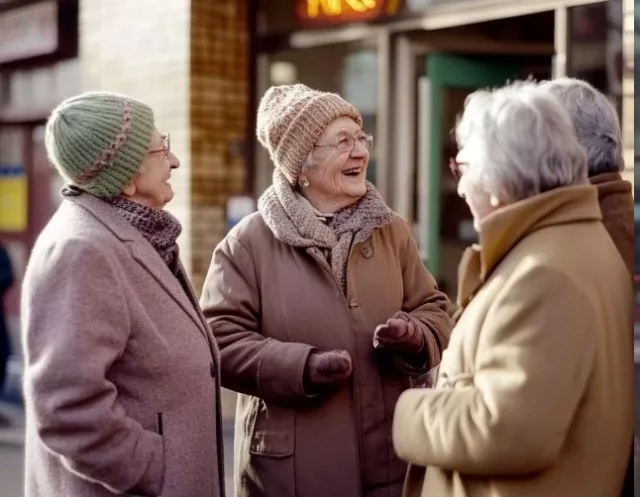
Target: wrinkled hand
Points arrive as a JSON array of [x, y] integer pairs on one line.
[[399, 335], [327, 368]]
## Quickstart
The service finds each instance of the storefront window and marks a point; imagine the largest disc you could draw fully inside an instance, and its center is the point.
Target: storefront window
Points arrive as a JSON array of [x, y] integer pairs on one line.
[[595, 47]]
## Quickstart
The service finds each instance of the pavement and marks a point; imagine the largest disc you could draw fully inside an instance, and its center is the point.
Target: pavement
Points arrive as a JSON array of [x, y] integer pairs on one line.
[[12, 451]]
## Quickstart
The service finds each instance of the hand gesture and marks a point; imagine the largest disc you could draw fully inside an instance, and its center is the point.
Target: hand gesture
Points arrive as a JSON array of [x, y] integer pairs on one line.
[[399, 335]]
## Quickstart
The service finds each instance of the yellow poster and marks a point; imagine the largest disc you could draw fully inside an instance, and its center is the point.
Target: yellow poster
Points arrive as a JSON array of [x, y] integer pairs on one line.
[[13, 198]]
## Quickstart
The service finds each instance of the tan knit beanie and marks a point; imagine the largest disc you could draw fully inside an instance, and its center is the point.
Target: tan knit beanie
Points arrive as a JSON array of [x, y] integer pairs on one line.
[[290, 120]]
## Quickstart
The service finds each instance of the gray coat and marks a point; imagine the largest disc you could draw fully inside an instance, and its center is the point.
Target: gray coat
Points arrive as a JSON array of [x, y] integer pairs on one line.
[[121, 382]]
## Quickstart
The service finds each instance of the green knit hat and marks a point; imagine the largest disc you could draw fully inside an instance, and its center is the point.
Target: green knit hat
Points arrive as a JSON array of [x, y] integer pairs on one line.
[[98, 141]]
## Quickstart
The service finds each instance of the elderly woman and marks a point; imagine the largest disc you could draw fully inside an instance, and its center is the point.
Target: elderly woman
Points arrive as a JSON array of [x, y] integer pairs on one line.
[[121, 382], [536, 366], [322, 309], [597, 126]]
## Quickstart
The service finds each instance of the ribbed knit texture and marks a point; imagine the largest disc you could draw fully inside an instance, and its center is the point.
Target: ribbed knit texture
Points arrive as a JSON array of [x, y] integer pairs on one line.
[[98, 140], [291, 119]]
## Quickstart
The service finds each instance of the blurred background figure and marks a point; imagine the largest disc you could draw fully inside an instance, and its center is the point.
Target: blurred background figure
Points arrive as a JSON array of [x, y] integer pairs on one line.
[[597, 126], [6, 281]]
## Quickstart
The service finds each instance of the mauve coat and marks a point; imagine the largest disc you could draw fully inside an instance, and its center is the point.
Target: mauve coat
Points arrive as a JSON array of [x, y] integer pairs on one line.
[[121, 381], [269, 305]]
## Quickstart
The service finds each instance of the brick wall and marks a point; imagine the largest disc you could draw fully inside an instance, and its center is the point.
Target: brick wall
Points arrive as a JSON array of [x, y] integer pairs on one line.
[[219, 100]]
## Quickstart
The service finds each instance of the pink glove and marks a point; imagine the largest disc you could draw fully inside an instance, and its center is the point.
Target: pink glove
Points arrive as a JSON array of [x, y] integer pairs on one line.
[[399, 335]]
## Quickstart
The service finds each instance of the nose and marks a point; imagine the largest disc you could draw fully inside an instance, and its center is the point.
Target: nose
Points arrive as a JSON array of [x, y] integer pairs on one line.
[[461, 187], [359, 150], [174, 162]]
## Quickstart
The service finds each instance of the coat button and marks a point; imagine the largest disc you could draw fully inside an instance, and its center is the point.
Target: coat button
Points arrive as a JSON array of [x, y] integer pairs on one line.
[[367, 251], [353, 304], [212, 369]]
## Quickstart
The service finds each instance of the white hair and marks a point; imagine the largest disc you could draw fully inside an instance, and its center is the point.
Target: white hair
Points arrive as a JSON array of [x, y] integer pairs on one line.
[[519, 142], [595, 120]]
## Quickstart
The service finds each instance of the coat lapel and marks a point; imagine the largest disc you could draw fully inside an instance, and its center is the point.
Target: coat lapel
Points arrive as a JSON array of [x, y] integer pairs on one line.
[[142, 251], [148, 258]]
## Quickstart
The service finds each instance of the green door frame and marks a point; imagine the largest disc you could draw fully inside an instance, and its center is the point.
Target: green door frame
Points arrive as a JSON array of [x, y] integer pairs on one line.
[[451, 71]]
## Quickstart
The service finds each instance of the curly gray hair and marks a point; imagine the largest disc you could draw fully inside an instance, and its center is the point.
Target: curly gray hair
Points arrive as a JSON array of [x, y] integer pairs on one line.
[[596, 122], [519, 142]]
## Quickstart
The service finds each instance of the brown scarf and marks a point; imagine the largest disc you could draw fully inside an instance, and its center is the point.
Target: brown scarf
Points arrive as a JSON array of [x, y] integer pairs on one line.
[[158, 227], [294, 223]]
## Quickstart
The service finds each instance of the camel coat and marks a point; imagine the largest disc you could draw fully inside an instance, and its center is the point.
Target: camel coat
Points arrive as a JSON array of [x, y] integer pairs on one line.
[[270, 304], [121, 371], [534, 396]]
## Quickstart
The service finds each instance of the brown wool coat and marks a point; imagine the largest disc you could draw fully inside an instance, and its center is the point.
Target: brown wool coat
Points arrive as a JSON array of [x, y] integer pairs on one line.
[[269, 305], [121, 383], [534, 396], [616, 204]]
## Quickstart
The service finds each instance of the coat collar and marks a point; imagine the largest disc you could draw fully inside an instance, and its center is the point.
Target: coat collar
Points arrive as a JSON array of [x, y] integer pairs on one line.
[[142, 252], [610, 184], [502, 230]]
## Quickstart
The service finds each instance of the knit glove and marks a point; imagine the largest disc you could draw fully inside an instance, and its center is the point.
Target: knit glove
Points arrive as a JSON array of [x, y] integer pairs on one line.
[[400, 335], [326, 368]]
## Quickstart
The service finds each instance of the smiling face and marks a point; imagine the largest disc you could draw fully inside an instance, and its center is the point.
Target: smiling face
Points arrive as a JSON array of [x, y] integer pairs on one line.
[[150, 186], [337, 176]]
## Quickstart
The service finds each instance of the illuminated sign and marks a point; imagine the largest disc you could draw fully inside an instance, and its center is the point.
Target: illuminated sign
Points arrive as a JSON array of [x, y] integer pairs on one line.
[[323, 12]]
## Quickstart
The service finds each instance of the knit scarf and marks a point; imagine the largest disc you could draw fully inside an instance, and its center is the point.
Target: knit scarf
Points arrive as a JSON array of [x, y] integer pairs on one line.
[[158, 227], [293, 222]]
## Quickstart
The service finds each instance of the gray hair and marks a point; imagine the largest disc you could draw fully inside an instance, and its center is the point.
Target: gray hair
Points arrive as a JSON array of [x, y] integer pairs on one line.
[[519, 142], [596, 122], [307, 163]]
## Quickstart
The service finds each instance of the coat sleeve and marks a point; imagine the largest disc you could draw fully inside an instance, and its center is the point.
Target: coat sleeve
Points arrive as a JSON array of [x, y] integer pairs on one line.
[[251, 363], [511, 417], [76, 325], [427, 307]]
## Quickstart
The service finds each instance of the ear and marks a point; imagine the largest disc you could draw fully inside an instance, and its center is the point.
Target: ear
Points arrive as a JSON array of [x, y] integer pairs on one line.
[[129, 189]]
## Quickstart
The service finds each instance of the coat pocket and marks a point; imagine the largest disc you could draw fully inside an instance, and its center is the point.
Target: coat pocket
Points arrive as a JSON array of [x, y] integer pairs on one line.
[[272, 434], [153, 481]]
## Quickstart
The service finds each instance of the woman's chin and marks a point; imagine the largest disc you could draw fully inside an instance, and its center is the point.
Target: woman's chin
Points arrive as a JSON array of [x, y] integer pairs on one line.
[[355, 189]]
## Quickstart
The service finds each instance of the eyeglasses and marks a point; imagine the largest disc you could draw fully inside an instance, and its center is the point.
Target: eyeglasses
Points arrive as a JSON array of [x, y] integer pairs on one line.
[[166, 146], [454, 165], [348, 143]]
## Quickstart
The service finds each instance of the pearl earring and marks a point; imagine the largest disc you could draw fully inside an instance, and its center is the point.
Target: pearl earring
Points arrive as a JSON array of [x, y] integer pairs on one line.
[[494, 202], [304, 183]]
